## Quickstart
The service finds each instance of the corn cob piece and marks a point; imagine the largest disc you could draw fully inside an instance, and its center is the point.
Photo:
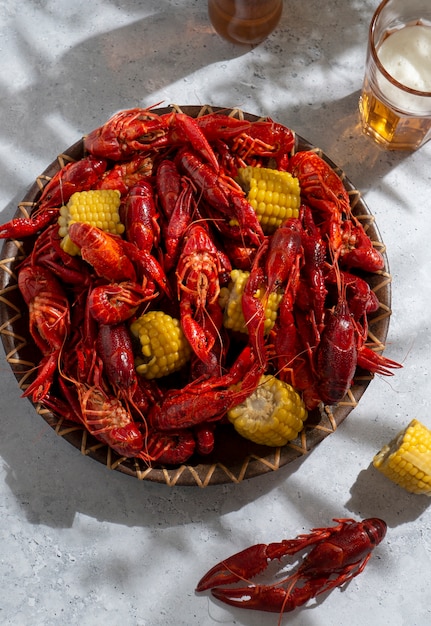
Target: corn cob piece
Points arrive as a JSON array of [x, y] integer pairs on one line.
[[98, 207], [406, 460], [231, 298], [272, 415], [164, 347], [274, 195]]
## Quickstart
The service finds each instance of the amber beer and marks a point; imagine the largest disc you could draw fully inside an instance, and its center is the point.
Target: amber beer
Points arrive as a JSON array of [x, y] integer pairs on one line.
[[395, 103], [244, 21], [390, 128]]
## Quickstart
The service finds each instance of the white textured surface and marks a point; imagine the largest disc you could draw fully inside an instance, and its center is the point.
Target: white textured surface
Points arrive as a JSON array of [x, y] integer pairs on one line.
[[82, 545]]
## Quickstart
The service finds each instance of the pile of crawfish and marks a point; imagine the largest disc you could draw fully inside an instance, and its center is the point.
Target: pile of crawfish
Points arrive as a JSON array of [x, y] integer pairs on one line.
[[187, 225]]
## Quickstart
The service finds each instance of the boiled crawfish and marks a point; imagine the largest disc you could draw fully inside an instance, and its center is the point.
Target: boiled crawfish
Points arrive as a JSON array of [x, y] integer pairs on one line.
[[324, 192], [335, 555], [49, 322], [223, 197], [200, 270], [275, 265], [138, 130], [203, 401], [74, 176], [187, 223]]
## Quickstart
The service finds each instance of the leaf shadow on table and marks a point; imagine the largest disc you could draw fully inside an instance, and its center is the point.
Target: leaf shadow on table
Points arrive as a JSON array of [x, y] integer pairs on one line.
[[101, 74], [52, 481], [127, 66]]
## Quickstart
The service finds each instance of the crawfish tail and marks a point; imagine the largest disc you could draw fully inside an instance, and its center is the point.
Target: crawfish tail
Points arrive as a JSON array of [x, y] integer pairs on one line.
[[41, 386], [115, 347], [171, 448]]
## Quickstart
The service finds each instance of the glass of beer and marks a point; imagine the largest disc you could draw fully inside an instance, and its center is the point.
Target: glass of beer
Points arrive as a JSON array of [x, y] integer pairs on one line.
[[395, 104], [245, 21]]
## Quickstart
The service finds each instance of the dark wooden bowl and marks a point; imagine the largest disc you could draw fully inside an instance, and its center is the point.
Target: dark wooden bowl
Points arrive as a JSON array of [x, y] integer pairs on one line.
[[234, 458]]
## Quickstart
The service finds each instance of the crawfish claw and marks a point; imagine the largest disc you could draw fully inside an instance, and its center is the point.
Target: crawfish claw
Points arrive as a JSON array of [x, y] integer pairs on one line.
[[239, 566], [254, 560], [258, 597]]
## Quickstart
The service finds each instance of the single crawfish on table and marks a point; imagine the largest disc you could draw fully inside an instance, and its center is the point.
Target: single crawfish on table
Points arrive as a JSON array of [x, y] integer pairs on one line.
[[333, 557], [221, 259]]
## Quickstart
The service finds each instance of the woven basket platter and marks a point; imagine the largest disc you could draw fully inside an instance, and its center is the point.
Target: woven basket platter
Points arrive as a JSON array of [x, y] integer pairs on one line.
[[234, 458]]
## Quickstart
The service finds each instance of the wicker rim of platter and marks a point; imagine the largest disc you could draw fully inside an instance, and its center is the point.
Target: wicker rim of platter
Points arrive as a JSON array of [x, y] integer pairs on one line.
[[234, 459]]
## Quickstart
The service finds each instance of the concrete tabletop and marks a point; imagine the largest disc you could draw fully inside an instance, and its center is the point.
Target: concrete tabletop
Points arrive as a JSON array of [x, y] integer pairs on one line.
[[83, 545]]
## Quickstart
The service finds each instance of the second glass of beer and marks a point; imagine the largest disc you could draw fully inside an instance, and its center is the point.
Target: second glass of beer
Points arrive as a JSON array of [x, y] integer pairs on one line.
[[395, 103]]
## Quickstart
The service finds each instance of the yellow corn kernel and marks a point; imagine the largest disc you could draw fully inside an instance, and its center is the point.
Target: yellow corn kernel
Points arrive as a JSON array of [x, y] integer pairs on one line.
[[406, 460], [98, 207], [231, 301], [272, 415], [164, 347], [274, 195]]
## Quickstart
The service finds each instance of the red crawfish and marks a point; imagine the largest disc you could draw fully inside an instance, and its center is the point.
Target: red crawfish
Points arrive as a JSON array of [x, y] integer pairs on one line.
[[336, 355], [123, 176], [323, 190], [103, 251], [342, 348], [184, 211], [334, 556], [113, 303], [292, 354], [168, 186], [107, 420], [114, 346], [200, 269], [170, 448], [75, 176], [175, 447], [49, 322], [207, 400], [264, 139], [103, 415], [300, 320], [140, 130], [184, 130], [275, 266], [48, 252], [125, 133], [175, 195], [223, 198], [357, 248], [113, 258], [140, 217], [218, 126], [361, 299]]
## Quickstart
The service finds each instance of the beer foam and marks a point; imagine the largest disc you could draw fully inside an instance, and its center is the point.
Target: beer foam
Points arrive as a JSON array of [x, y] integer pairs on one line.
[[406, 56]]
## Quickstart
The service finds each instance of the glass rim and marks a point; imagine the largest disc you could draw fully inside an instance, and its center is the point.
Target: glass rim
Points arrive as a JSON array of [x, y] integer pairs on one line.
[[386, 74]]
